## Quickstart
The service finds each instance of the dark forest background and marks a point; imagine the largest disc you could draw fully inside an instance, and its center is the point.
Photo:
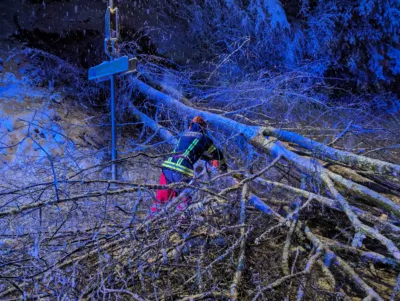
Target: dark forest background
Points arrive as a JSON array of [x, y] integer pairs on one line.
[[352, 45]]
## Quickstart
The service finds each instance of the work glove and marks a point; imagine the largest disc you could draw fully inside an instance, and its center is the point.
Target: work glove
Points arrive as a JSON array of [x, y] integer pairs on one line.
[[214, 163], [213, 166], [221, 167]]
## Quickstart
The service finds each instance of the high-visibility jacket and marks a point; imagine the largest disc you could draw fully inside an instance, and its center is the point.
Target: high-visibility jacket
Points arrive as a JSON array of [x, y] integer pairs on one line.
[[192, 146]]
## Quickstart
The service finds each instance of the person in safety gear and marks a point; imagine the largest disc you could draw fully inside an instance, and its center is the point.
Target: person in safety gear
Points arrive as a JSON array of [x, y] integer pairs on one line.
[[193, 145]]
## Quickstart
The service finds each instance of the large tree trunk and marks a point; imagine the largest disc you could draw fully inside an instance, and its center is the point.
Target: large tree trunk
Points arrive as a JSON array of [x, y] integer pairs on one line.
[[259, 135]]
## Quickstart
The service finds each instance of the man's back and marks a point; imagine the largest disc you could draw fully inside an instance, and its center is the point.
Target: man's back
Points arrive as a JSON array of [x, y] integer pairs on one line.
[[192, 145]]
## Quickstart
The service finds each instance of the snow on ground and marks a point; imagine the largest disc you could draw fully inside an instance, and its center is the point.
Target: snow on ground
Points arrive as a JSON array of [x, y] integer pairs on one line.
[[45, 138], [38, 129]]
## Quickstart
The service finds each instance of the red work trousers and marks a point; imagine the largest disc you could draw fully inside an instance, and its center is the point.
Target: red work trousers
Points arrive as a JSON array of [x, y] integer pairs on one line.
[[163, 196]]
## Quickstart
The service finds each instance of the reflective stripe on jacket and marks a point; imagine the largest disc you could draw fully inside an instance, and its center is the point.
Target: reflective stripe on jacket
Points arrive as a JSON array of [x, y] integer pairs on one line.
[[192, 146]]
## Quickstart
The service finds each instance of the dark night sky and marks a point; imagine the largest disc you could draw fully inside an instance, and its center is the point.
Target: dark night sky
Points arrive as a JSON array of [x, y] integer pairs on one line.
[[62, 17]]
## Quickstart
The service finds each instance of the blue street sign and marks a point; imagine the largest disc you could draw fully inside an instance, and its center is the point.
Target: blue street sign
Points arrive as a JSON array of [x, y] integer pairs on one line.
[[109, 68]]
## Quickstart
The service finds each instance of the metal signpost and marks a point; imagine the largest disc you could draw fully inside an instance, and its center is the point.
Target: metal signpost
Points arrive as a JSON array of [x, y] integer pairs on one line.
[[108, 70]]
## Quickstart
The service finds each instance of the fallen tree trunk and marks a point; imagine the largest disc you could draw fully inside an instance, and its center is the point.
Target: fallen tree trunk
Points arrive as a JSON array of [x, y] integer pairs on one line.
[[257, 133]]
